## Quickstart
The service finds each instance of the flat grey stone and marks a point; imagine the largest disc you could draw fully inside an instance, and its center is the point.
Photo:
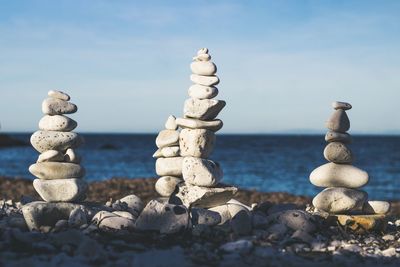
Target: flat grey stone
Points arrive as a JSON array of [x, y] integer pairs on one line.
[[332, 136], [57, 170], [341, 105]]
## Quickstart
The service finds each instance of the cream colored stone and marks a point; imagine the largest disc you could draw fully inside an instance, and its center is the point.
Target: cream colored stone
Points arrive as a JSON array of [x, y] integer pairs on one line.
[[158, 154], [56, 170], [203, 109], [167, 138], [171, 151], [58, 95], [338, 175], [52, 140], [169, 166], [51, 156], [53, 106], [71, 156], [213, 125], [166, 185], [170, 124], [202, 92], [196, 142], [376, 207], [201, 172], [206, 68], [204, 80], [202, 57], [57, 123], [64, 190]]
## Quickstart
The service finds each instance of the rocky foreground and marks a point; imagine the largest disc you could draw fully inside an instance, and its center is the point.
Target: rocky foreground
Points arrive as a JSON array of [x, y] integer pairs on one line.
[[282, 233]]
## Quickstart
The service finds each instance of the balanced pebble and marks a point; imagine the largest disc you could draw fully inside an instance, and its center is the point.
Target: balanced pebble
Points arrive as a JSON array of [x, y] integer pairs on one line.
[[171, 151], [170, 124], [201, 172], [202, 57], [376, 207], [196, 142], [337, 137], [337, 152], [203, 109], [60, 189], [341, 105], [56, 170], [52, 140], [58, 95], [167, 138], [338, 122], [206, 68], [204, 80], [213, 125], [202, 92], [169, 166], [51, 156], [57, 123], [340, 200], [54, 106], [166, 185]]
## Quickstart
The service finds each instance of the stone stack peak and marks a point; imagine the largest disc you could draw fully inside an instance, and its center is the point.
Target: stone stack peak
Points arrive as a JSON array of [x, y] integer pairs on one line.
[[341, 179], [58, 170]]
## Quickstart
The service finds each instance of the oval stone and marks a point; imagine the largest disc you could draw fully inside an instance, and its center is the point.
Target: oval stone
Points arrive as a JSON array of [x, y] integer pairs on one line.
[[201, 172], [58, 95], [196, 142], [337, 137], [170, 124], [51, 156], [338, 175], [56, 170], [337, 152], [213, 125], [204, 80], [202, 57], [341, 105], [64, 190], [203, 109], [54, 106], [169, 166], [338, 122], [167, 138], [202, 92], [52, 140], [57, 123], [166, 185], [340, 200], [206, 68], [376, 207]]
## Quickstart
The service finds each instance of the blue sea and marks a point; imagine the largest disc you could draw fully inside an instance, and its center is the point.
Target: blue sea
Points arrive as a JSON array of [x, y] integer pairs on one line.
[[268, 163]]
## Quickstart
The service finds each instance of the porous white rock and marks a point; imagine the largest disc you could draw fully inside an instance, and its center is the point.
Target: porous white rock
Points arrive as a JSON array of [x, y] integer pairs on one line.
[[376, 207], [166, 185], [340, 200], [204, 80], [54, 106], [338, 122], [338, 175], [338, 152], [196, 142], [50, 156], [341, 105], [61, 189], [59, 95], [201, 172], [169, 166], [52, 140], [170, 124], [332, 136], [206, 68], [203, 109], [57, 123], [167, 138], [202, 92], [170, 151], [57, 170], [213, 125]]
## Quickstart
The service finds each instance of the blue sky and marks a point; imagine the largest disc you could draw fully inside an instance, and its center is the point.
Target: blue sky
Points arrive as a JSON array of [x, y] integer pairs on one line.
[[126, 63]]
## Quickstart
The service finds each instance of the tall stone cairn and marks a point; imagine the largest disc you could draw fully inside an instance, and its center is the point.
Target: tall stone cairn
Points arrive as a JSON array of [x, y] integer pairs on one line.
[[341, 179], [58, 170]]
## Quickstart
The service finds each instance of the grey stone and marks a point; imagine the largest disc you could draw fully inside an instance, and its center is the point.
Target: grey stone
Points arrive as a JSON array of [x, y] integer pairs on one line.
[[202, 92], [204, 216], [302, 236], [203, 109], [110, 221], [338, 122], [296, 220], [277, 230], [59, 95], [376, 207], [337, 152], [204, 80], [206, 68], [341, 105], [166, 185], [169, 166], [61, 189], [167, 138], [338, 175], [134, 203], [340, 200], [213, 125], [241, 222], [57, 170], [53, 106], [196, 143], [332, 136], [57, 123], [163, 217], [170, 124], [52, 140], [60, 225], [125, 214], [50, 156], [281, 207], [77, 217], [201, 172]]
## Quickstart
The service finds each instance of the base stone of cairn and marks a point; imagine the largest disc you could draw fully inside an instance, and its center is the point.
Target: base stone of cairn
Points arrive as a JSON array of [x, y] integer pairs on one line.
[[190, 182], [342, 200]]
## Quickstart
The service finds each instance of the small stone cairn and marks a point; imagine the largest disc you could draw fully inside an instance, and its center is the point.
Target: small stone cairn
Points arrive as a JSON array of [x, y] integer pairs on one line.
[[58, 169], [341, 179]]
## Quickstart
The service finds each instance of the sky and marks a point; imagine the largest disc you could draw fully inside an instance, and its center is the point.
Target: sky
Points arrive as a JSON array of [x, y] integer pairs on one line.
[[126, 63]]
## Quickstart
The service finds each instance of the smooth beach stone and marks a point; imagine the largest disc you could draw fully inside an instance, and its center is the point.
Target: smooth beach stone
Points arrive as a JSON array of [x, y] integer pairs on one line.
[[57, 123], [296, 220], [60, 190], [77, 218], [203, 197], [111, 221], [50, 156], [134, 203], [338, 175], [204, 217], [204, 80], [56, 170], [53, 106], [340, 200], [59, 95], [171, 151], [163, 217], [167, 138], [166, 185], [213, 125], [337, 152], [341, 105], [376, 207], [201, 172], [338, 122], [337, 137], [170, 124], [196, 142], [202, 57], [202, 51], [158, 154], [169, 166], [202, 92], [206, 68], [52, 140], [203, 109], [239, 217], [71, 156]]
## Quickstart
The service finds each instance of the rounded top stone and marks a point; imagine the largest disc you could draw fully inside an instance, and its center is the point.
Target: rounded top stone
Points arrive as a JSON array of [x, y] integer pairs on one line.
[[341, 105], [58, 95], [202, 51]]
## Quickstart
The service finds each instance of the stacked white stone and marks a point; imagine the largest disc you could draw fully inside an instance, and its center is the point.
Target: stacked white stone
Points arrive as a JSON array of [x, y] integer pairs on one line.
[[58, 169], [342, 179], [169, 162]]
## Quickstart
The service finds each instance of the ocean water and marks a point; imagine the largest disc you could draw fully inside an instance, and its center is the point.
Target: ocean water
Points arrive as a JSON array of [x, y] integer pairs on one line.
[[268, 163]]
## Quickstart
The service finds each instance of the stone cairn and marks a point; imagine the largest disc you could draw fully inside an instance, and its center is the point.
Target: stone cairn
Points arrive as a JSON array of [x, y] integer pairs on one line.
[[342, 179], [58, 169]]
